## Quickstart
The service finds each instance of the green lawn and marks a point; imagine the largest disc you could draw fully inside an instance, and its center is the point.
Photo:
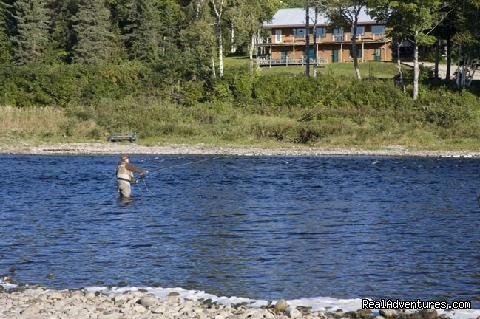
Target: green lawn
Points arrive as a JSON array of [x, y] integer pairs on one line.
[[367, 69]]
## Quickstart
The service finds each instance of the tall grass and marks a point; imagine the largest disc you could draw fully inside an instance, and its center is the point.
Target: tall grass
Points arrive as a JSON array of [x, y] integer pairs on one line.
[[42, 121]]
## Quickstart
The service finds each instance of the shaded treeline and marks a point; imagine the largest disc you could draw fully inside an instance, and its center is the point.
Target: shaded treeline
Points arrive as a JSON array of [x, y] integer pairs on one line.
[[180, 39]]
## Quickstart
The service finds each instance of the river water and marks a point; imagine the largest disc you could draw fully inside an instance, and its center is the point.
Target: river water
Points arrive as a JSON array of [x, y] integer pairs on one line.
[[256, 227]]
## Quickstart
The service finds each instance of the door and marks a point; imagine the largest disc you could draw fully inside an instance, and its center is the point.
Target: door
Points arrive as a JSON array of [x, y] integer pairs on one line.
[[283, 57], [311, 53], [377, 55], [335, 56]]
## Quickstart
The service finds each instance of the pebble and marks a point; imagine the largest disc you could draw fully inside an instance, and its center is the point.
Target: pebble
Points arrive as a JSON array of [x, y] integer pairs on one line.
[[41, 303], [280, 306]]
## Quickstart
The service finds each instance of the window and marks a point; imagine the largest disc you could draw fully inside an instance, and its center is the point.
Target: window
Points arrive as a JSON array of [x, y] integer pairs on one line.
[[360, 30], [278, 36], [338, 31], [320, 32], [299, 33], [378, 29], [338, 34]]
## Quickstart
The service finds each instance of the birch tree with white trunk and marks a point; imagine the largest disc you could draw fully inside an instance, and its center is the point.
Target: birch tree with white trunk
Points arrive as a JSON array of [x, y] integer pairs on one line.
[[347, 13], [413, 21], [218, 7]]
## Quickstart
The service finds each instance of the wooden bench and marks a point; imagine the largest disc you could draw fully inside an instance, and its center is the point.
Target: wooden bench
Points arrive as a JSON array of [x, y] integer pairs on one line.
[[118, 137]]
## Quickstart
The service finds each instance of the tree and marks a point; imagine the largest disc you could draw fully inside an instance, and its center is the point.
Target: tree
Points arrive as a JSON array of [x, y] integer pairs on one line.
[[198, 39], [95, 41], [61, 25], [467, 37], [218, 8], [31, 39], [414, 21], [5, 44], [347, 13], [172, 21], [246, 18], [142, 26], [307, 38]]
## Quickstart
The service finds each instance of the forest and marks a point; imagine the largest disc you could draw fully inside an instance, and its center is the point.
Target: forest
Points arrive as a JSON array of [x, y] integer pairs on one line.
[[160, 68]]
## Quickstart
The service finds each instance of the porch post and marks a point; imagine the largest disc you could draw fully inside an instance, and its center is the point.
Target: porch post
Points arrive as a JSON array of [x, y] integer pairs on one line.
[[363, 51], [341, 52]]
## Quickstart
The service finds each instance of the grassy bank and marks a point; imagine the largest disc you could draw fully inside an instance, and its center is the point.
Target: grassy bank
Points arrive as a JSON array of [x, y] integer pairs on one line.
[[267, 111], [76, 104]]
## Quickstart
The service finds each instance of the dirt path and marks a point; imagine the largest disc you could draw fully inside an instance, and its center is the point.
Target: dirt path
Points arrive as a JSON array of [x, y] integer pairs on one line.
[[442, 69]]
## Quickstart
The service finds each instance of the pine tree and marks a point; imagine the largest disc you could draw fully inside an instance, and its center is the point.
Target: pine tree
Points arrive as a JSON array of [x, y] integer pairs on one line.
[[31, 40], [95, 41], [5, 44], [63, 37], [142, 28]]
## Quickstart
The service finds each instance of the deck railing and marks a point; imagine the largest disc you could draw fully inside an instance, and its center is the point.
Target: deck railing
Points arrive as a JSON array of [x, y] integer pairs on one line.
[[289, 61]]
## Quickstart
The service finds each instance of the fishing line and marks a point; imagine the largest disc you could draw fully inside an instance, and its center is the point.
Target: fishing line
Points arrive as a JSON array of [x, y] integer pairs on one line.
[[142, 179], [184, 164]]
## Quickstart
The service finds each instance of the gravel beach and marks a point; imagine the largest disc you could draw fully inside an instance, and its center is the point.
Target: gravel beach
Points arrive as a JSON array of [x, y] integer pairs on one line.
[[41, 303], [112, 148]]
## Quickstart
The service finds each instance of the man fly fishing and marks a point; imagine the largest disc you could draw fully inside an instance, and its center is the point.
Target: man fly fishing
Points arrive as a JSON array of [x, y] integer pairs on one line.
[[125, 176]]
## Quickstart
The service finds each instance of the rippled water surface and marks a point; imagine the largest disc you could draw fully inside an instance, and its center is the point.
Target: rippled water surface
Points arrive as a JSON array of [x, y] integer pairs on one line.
[[255, 227]]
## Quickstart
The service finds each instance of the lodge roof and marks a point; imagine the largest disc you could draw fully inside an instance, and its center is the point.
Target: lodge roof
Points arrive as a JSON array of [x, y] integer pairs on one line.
[[296, 17]]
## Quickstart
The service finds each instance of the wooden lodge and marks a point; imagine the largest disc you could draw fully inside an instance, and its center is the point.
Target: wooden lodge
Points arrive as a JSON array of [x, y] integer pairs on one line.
[[285, 44]]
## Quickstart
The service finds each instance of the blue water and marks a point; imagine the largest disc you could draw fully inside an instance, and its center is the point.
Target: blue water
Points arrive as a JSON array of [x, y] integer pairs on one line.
[[257, 227]]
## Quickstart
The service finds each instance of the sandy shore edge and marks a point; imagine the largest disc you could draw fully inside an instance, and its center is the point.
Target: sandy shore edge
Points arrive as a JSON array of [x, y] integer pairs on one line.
[[200, 149]]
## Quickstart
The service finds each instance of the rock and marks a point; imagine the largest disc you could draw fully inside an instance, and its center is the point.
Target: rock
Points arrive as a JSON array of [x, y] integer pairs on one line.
[[148, 301], [173, 298], [90, 295], [267, 315], [161, 310], [281, 306], [8, 280], [388, 313], [292, 312], [252, 314], [139, 309], [428, 314], [239, 305], [120, 300], [55, 295], [364, 313], [305, 310], [31, 311]]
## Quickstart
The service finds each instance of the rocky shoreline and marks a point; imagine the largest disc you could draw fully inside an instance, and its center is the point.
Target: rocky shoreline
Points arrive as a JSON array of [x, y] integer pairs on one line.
[[201, 149], [41, 303]]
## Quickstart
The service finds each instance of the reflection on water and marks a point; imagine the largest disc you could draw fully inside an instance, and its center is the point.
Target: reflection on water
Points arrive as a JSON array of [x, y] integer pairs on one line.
[[256, 227]]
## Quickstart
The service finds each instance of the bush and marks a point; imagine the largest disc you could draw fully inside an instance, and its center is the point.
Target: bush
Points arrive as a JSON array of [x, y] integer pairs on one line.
[[192, 93], [445, 108], [41, 85]]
